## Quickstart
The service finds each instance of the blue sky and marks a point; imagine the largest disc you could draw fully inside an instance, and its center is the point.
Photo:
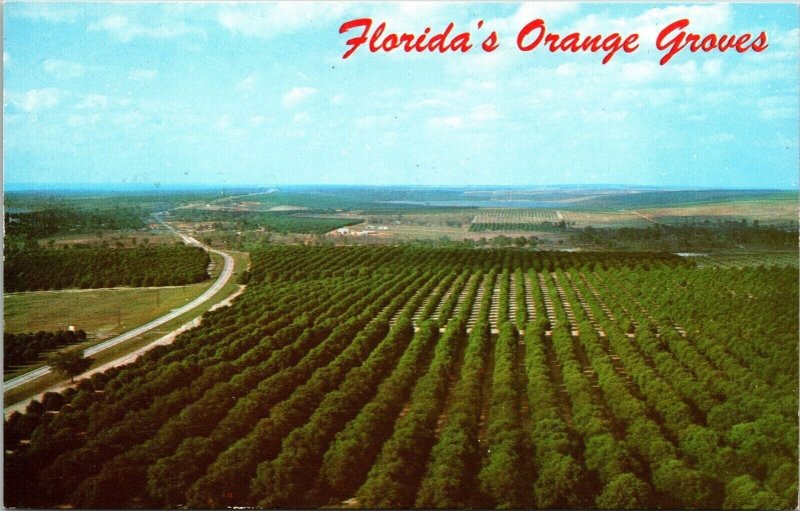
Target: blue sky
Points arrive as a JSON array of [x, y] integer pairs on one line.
[[171, 94]]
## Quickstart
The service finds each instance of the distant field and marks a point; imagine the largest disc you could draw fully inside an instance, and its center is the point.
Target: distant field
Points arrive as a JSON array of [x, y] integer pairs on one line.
[[746, 260], [102, 313], [765, 211]]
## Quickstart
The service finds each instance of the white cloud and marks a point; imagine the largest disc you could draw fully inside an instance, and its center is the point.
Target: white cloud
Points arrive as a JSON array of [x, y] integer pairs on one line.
[[485, 66], [338, 99], [704, 18], [277, 18], [652, 74], [78, 121], [372, 121], [483, 113], [6, 58], [451, 121], [125, 30], [224, 122], [788, 39], [527, 12], [712, 67], [257, 120], [35, 100], [297, 96], [480, 85], [686, 72], [142, 75], [476, 117], [130, 119], [567, 69], [93, 101], [41, 11], [717, 138], [415, 16], [247, 85], [301, 118], [63, 68], [778, 107], [429, 103], [644, 71]]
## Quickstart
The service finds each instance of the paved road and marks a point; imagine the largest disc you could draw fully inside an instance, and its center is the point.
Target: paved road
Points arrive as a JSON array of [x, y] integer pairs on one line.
[[223, 278]]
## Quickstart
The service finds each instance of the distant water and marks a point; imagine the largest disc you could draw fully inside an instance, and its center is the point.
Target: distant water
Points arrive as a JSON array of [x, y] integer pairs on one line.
[[480, 203]]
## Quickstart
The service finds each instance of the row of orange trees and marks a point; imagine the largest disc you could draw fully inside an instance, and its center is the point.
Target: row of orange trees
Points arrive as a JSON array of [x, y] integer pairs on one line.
[[374, 373], [95, 267]]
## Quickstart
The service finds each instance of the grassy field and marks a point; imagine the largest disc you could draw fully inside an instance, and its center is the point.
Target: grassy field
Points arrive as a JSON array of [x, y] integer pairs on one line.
[[765, 211], [241, 262], [101, 313]]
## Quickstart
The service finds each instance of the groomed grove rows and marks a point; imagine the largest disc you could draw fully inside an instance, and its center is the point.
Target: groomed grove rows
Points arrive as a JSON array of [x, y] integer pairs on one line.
[[93, 267], [442, 378]]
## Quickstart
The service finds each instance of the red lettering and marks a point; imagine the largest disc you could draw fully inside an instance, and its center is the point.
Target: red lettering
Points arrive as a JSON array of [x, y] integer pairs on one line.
[[552, 40], [674, 43], [593, 43], [740, 43], [408, 42], [390, 43], [355, 42], [461, 43], [419, 46], [726, 42], [437, 42], [373, 42], [490, 44], [537, 24], [630, 45], [760, 43], [693, 40], [709, 42], [574, 42]]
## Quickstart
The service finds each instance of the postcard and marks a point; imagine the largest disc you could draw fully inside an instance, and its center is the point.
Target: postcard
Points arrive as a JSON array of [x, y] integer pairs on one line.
[[407, 255]]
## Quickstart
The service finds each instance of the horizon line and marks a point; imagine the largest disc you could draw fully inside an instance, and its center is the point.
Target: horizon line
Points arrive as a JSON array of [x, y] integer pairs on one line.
[[111, 187]]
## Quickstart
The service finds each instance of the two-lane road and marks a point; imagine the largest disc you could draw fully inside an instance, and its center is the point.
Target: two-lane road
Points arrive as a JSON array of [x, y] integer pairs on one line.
[[224, 277]]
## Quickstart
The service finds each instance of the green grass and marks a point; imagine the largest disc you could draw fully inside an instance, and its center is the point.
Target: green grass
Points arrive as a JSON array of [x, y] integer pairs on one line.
[[241, 261], [101, 313]]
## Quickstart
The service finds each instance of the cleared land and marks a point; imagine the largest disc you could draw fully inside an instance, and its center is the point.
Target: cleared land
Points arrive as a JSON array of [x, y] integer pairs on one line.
[[101, 313], [46, 382]]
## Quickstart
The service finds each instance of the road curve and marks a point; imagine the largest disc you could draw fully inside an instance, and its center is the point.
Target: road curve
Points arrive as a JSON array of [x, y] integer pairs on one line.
[[224, 276]]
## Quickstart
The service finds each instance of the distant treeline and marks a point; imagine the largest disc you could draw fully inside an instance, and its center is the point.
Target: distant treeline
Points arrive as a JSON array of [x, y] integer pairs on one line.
[[21, 349], [280, 222], [92, 267], [702, 236], [50, 222]]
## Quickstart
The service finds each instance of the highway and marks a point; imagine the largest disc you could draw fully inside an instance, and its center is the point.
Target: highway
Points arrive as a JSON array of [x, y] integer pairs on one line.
[[224, 277]]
